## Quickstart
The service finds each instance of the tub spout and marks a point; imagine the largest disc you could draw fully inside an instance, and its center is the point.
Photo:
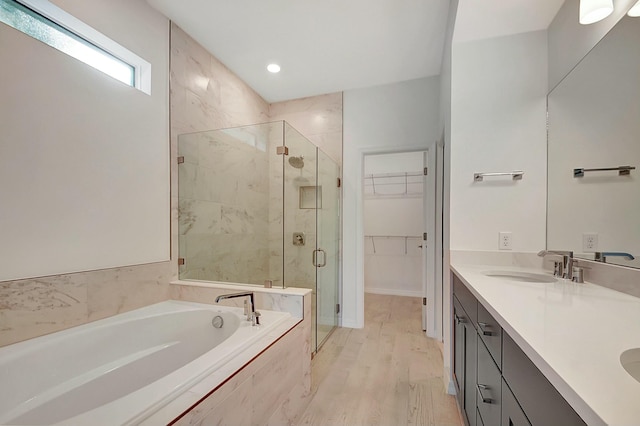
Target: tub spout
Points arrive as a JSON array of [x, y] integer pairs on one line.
[[252, 314]]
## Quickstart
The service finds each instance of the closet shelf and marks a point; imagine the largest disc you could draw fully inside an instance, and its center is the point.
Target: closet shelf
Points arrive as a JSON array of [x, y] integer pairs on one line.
[[395, 183], [405, 237]]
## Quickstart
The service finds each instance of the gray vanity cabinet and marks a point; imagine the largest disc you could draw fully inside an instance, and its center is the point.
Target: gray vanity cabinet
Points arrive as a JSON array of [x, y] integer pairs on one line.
[[465, 362], [497, 383]]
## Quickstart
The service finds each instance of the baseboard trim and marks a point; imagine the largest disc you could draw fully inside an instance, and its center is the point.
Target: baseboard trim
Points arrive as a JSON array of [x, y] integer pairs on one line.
[[393, 292]]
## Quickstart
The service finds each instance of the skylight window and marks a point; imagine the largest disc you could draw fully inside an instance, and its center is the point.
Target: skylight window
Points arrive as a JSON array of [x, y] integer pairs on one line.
[[51, 25]]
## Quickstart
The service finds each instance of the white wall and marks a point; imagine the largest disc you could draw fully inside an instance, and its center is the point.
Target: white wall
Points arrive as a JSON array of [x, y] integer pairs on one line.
[[393, 263], [84, 163], [499, 89], [389, 118], [569, 41], [84, 176]]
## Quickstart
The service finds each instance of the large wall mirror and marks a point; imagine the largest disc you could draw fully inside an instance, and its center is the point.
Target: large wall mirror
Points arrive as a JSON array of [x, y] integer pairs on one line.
[[594, 123]]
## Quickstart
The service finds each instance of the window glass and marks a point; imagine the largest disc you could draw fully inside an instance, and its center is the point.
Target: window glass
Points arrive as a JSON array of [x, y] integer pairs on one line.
[[37, 26]]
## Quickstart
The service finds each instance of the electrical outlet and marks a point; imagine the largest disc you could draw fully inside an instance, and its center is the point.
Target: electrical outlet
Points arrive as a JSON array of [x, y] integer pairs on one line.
[[589, 242], [504, 242]]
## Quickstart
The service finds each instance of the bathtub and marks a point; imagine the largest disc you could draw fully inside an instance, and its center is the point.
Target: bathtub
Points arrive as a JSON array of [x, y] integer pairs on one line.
[[122, 369]]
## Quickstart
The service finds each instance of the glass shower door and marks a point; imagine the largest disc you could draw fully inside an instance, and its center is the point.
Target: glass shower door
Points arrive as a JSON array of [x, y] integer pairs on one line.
[[327, 249]]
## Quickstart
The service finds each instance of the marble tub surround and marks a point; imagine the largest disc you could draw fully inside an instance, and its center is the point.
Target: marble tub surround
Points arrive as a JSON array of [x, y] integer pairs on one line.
[[289, 299], [574, 333], [34, 307]]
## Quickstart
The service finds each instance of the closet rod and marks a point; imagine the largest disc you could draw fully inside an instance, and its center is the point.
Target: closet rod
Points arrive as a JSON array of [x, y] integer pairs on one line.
[[406, 239]]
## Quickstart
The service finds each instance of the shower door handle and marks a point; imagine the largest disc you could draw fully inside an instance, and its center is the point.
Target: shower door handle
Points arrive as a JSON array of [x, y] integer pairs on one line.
[[324, 258], [314, 258]]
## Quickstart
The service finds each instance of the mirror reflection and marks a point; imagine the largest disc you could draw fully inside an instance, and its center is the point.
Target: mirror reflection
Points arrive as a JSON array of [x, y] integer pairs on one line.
[[594, 152]]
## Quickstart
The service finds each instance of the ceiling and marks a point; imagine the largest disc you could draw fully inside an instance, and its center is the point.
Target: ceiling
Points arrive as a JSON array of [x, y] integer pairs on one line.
[[480, 19], [334, 45]]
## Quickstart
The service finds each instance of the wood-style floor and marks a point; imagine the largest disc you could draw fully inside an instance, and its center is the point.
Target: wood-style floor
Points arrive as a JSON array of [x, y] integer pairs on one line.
[[386, 374]]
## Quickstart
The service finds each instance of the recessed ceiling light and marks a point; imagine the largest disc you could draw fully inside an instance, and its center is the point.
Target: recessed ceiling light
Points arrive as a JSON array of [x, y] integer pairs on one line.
[[274, 68]]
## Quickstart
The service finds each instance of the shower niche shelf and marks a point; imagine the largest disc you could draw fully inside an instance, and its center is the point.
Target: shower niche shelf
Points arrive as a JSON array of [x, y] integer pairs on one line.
[[309, 195]]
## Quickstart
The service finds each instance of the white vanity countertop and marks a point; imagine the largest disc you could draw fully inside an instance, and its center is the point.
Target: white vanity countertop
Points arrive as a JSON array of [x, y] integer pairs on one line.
[[574, 333]]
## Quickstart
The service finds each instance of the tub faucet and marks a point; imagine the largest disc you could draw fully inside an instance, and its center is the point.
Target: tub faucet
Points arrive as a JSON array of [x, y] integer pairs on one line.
[[564, 269], [252, 314]]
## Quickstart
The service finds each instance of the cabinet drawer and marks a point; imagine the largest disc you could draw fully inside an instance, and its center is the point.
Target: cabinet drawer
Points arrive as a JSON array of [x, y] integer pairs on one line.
[[512, 414], [491, 334], [467, 300], [540, 401], [488, 387]]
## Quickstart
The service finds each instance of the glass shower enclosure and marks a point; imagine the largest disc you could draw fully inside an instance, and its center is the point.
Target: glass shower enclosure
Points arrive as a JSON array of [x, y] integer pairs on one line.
[[260, 204]]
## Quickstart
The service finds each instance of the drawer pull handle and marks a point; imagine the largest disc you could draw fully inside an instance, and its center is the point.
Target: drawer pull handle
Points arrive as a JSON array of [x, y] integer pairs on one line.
[[482, 397], [484, 325], [460, 320]]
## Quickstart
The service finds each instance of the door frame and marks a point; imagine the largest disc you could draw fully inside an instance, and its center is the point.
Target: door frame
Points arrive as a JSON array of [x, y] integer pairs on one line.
[[436, 307]]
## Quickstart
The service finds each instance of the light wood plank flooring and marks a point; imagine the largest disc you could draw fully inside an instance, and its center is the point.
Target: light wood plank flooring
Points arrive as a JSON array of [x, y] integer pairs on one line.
[[386, 374]]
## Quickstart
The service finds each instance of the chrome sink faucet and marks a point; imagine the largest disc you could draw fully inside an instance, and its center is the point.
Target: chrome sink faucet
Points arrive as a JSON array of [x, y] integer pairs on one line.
[[563, 269], [252, 314]]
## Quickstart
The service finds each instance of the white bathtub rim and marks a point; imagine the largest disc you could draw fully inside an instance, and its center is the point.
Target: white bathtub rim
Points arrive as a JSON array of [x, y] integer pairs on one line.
[[42, 344], [166, 394], [17, 349], [140, 404]]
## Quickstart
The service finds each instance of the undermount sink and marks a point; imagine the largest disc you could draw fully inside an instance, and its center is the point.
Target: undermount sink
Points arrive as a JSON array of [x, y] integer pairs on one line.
[[630, 360], [527, 277]]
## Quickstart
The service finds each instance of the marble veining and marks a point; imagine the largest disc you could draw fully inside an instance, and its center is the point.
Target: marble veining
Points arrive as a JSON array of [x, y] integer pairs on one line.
[[34, 307], [33, 295]]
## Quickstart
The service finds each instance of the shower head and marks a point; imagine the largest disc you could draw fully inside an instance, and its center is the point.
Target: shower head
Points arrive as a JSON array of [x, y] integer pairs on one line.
[[297, 162]]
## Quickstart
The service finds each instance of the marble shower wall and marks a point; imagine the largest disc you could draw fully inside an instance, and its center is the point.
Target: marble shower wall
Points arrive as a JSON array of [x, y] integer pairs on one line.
[[205, 95], [224, 204], [318, 118]]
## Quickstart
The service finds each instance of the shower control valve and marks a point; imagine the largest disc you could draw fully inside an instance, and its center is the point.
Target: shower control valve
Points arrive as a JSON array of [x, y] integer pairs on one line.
[[298, 238]]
